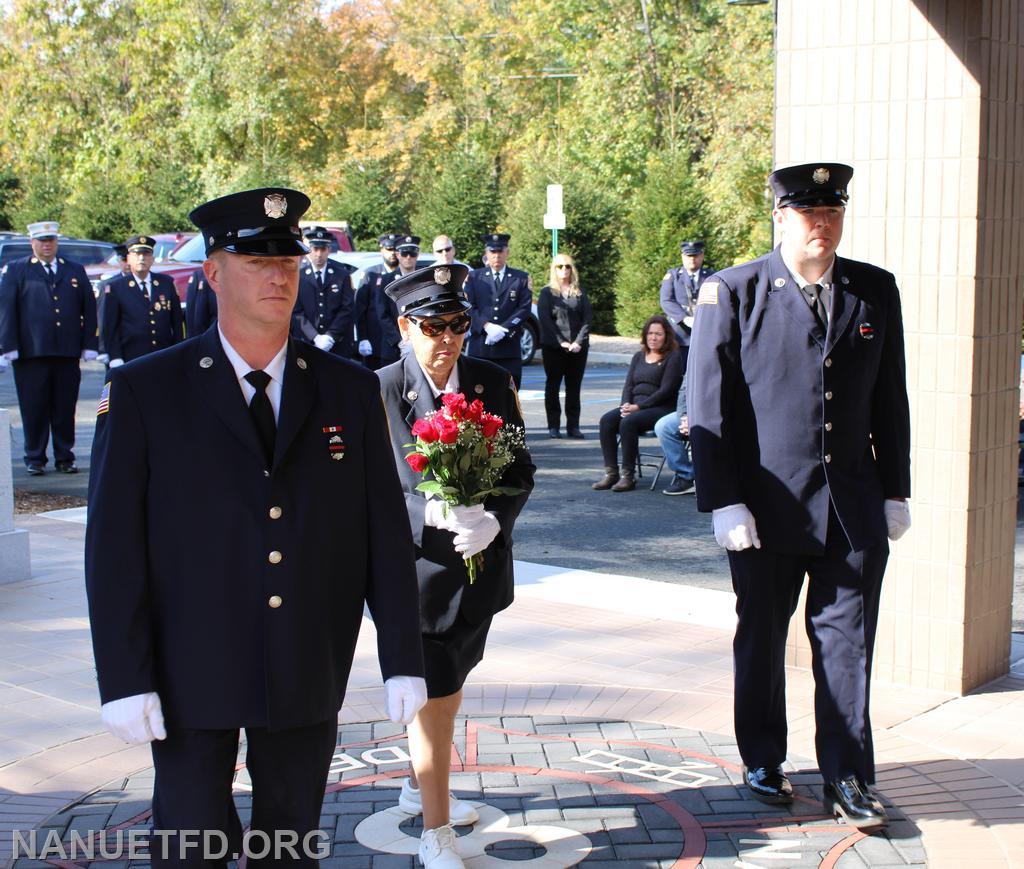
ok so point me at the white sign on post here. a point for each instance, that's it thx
(555, 218)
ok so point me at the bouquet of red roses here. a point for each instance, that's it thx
(462, 451)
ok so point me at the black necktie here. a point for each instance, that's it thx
(145, 289)
(320, 280)
(814, 291)
(51, 275)
(262, 412)
(497, 280)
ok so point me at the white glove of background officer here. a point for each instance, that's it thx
(137, 719)
(897, 518)
(476, 538)
(735, 529)
(116, 363)
(365, 348)
(450, 517)
(89, 355)
(104, 358)
(325, 342)
(404, 696)
(11, 355)
(494, 333)
(4, 363)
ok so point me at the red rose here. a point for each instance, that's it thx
(424, 430)
(447, 430)
(490, 425)
(475, 412)
(454, 403)
(417, 461)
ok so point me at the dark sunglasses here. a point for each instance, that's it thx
(443, 249)
(408, 253)
(563, 266)
(434, 326)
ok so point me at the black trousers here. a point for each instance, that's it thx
(192, 791)
(628, 428)
(47, 396)
(560, 364)
(841, 616)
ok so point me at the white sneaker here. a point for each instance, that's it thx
(438, 849)
(459, 811)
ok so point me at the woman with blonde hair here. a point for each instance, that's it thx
(564, 314)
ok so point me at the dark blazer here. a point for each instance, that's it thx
(444, 589)
(200, 305)
(784, 418)
(679, 298)
(561, 319)
(377, 316)
(38, 319)
(179, 556)
(508, 308)
(132, 325)
(327, 311)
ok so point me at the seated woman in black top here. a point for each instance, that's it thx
(650, 391)
(564, 315)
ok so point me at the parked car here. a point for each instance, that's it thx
(339, 229)
(167, 243)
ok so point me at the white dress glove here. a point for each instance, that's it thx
(116, 363)
(449, 517)
(494, 333)
(735, 529)
(897, 518)
(11, 355)
(4, 363)
(104, 358)
(365, 348)
(137, 719)
(404, 696)
(89, 355)
(476, 538)
(324, 342)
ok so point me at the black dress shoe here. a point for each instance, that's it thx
(680, 485)
(554, 433)
(851, 800)
(35, 470)
(576, 434)
(67, 467)
(769, 785)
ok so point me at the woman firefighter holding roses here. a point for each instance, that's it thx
(454, 403)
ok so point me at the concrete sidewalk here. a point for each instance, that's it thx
(598, 729)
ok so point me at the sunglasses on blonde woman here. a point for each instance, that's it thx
(563, 266)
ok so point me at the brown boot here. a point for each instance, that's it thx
(611, 478)
(626, 483)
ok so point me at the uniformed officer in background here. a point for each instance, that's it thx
(324, 310)
(376, 314)
(200, 304)
(368, 287)
(47, 323)
(679, 292)
(140, 311)
(254, 623)
(501, 299)
(800, 428)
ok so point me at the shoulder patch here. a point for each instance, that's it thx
(104, 403)
(668, 276)
(708, 294)
(106, 290)
(529, 283)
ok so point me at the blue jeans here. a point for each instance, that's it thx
(674, 445)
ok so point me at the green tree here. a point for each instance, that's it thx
(668, 208)
(372, 200)
(592, 218)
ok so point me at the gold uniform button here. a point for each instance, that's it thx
(828, 426)
(275, 512)
(828, 363)
(275, 601)
(828, 396)
(828, 458)
(275, 557)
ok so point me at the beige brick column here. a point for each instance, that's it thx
(926, 100)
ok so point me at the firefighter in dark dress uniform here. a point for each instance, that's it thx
(679, 290)
(800, 429)
(200, 305)
(324, 312)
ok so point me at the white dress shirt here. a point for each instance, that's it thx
(275, 368)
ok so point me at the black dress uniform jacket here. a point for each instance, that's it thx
(377, 316)
(508, 307)
(325, 311)
(679, 298)
(784, 417)
(444, 589)
(38, 318)
(236, 591)
(200, 305)
(132, 325)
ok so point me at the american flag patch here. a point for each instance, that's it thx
(708, 294)
(104, 404)
(331, 429)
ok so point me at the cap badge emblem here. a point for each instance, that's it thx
(820, 175)
(275, 205)
(442, 275)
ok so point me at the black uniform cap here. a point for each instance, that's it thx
(403, 242)
(140, 242)
(318, 235)
(691, 248)
(121, 250)
(388, 240)
(495, 240)
(428, 292)
(811, 184)
(261, 222)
